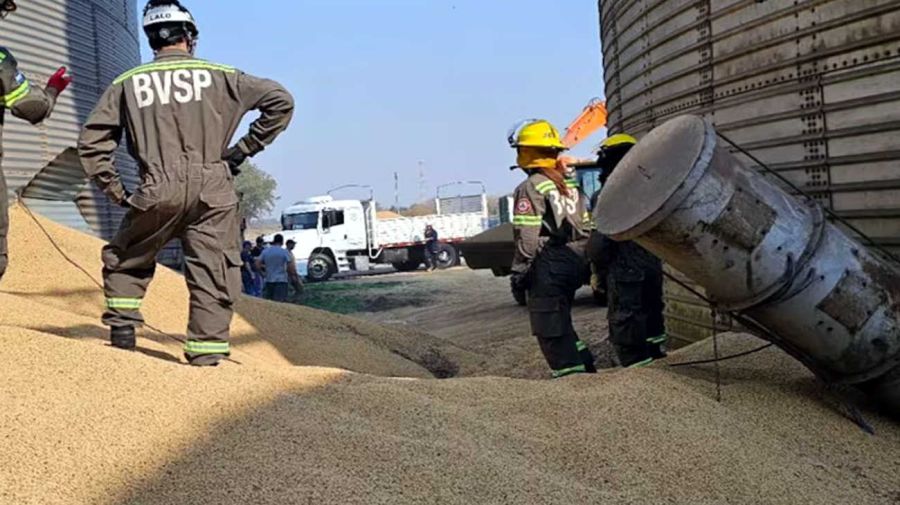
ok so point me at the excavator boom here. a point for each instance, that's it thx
(591, 119)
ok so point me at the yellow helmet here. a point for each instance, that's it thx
(618, 140)
(535, 133)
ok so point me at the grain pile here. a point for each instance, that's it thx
(84, 424)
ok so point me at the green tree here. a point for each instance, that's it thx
(257, 190)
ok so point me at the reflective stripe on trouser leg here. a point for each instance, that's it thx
(124, 303)
(660, 340)
(195, 348)
(569, 371)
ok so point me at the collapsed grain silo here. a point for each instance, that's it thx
(809, 87)
(97, 40)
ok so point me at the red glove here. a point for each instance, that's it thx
(59, 81)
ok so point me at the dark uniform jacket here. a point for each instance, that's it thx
(21, 97)
(544, 216)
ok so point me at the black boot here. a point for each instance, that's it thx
(123, 338)
(206, 359)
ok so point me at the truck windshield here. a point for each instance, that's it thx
(301, 221)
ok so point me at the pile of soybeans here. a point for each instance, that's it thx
(323, 409)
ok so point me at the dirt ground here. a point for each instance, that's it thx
(472, 312)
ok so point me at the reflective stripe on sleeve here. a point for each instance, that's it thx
(123, 303)
(527, 220)
(581, 346)
(545, 187)
(194, 347)
(17, 94)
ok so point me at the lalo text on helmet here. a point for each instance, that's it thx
(162, 87)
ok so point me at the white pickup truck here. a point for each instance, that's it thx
(347, 235)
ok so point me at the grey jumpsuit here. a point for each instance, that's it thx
(178, 114)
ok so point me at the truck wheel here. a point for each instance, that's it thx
(320, 268)
(521, 297)
(407, 266)
(447, 256)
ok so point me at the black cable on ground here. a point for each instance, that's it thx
(724, 358)
(91, 277)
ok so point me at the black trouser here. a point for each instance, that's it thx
(555, 276)
(636, 324)
(276, 291)
(431, 253)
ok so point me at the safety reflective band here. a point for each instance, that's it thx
(17, 94)
(123, 303)
(197, 348)
(527, 220)
(642, 364)
(572, 183)
(662, 339)
(581, 346)
(174, 65)
(545, 187)
(569, 371)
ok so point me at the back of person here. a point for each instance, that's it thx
(276, 260)
(550, 227)
(181, 110)
(178, 115)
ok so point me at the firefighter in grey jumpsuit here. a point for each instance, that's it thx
(27, 102)
(178, 114)
(551, 226)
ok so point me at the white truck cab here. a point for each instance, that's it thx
(341, 235)
(324, 229)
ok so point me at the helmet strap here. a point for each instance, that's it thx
(191, 41)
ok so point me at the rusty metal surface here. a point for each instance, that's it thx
(828, 300)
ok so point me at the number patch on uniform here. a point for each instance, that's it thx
(563, 205)
(161, 87)
(523, 206)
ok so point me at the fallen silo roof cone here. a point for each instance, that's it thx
(825, 298)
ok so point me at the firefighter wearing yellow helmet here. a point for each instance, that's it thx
(551, 226)
(634, 280)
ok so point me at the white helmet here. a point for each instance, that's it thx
(167, 22)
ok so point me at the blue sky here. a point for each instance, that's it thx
(381, 85)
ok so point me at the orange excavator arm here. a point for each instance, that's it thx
(591, 119)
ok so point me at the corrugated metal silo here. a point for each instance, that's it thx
(97, 40)
(810, 87)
